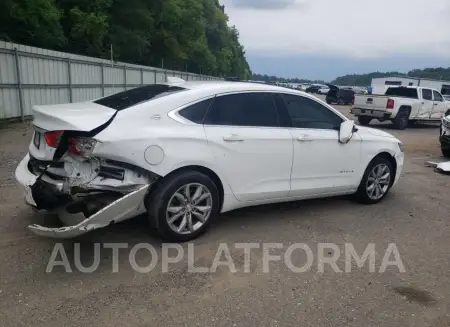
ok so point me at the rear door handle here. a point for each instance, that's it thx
(233, 138)
(304, 138)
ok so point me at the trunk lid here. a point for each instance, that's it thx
(82, 116)
(372, 102)
(332, 87)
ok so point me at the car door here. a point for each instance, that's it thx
(426, 107)
(250, 148)
(321, 164)
(439, 106)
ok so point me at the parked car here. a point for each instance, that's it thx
(185, 153)
(323, 90)
(401, 105)
(339, 96)
(444, 135)
(313, 89)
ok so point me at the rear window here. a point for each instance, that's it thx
(129, 98)
(404, 92)
(346, 92)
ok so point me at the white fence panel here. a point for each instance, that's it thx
(32, 76)
(85, 74)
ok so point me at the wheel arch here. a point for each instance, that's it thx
(388, 156)
(201, 169)
(405, 108)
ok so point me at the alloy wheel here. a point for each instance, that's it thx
(378, 181)
(189, 208)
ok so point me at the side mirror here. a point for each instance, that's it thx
(346, 131)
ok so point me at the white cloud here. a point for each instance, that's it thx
(349, 28)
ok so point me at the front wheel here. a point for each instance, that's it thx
(182, 207)
(376, 182)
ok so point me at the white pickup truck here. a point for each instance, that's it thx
(402, 105)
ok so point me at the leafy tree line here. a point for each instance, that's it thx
(366, 79)
(267, 78)
(190, 35)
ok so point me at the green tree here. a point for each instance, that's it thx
(179, 34)
(33, 22)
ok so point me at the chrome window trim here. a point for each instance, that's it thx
(174, 114)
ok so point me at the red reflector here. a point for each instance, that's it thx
(52, 138)
(390, 104)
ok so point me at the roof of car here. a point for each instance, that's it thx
(229, 85)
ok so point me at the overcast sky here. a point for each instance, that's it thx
(327, 38)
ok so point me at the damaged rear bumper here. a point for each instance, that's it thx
(73, 213)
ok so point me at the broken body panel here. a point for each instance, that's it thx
(86, 192)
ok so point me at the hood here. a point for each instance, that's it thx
(82, 116)
(367, 132)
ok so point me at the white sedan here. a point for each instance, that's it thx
(323, 90)
(185, 152)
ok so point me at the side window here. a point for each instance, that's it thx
(244, 109)
(307, 113)
(427, 95)
(437, 96)
(196, 112)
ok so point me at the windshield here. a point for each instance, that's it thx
(129, 98)
(404, 92)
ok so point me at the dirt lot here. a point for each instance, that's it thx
(415, 216)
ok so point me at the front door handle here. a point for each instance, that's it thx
(304, 138)
(233, 138)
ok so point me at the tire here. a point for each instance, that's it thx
(401, 121)
(170, 192)
(445, 152)
(367, 195)
(364, 120)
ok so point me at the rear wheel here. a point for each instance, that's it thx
(445, 152)
(182, 207)
(376, 182)
(401, 121)
(364, 120)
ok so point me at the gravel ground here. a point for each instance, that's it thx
(414, 217)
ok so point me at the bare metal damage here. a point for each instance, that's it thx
(86, 194)
(441, 167)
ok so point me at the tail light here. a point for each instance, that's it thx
(52, 138)
(81, 146)
(390, 104)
